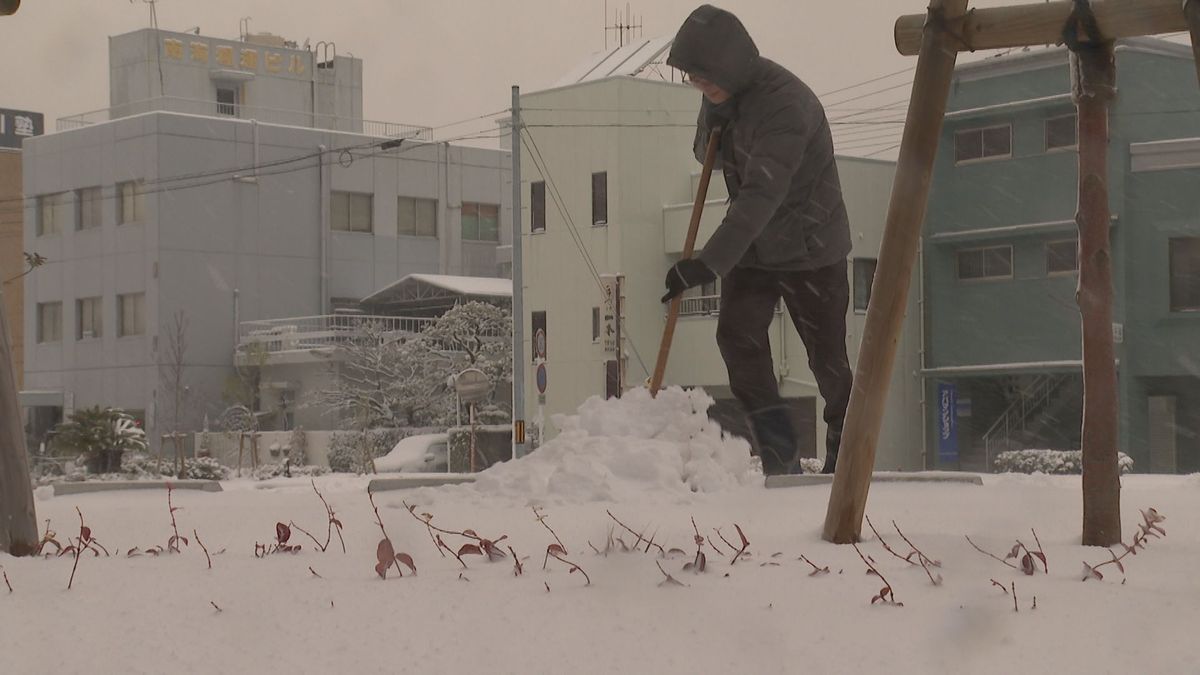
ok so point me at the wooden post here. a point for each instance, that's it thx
(1191, 10)
(889, 292)
(241, 448)
(18, 520)
(689, 246)
(1093, 87)
(1042, 24)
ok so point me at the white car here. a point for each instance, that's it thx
(426, 453)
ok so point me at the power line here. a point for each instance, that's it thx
(866, 82)
(223, 175)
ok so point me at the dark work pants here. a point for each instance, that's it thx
(817, 301)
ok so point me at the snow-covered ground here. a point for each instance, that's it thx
(655, 465)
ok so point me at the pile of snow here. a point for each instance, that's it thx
(617, 449)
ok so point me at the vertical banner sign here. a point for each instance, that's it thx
(609, 312)
(947, 423)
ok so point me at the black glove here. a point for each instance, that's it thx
(687, 274)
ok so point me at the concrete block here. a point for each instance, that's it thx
(407, 482)
(949, 477)
(80, 487)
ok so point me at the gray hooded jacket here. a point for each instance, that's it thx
(786, 211)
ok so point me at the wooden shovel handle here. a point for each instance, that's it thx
(689, 245)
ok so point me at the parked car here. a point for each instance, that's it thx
(426, 453)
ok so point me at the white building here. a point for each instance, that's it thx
(618, 151)
(242, 185)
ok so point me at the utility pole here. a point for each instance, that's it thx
(518, 285)
(18, 520)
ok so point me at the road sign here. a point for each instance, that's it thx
(541, 378)
(472, 385)
(539, 343)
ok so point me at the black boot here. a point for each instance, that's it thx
(833, 442)
(775, 438)
(830, 462)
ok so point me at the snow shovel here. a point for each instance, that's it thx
(689, 244)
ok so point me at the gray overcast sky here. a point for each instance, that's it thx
(433, 62)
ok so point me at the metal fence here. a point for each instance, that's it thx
(330, 330)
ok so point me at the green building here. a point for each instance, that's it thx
(1002, 338)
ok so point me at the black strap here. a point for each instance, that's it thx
(1082, 18)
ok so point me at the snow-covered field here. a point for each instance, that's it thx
(634, 458)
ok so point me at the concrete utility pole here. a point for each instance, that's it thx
(18, 520)
(518, 285)
(937, 36)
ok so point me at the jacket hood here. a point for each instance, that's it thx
(714, 45)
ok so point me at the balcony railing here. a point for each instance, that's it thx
(323, 332)
(330, 331)
(704, 305)
(299, 118)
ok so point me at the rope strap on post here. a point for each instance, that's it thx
(936, 17)
(1083, 17)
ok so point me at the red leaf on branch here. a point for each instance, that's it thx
(1027, 565)
(386, 555)
(469, 549)
(282, 533)
(407, 560)
(745, 541)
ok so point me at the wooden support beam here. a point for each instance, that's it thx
(889, 292)
(1042, 23)
(1093, 87)
(1191, 9)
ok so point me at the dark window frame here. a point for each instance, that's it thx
(1190, 300)
(537, 206)
(1063, 272)
(983, 156)
(984, 276)
(1061, 148)
(862, 292)
(600, 199)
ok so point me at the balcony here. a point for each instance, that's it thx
(703, 305)
(306, 334)
(306, 339)
(211, 108)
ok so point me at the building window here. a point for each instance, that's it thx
(537, 206)
(864, 276)
(1062, 133)
(416, 217)
(538, 324)
(351, 212)
(132, 204)
(89, 320)
(1185, 274)
(51, 214)
(595, 324)
(987, 143)
(227, 101)
(600, 198)
(90, 213)
(1062, 257)
(480, 222)
(131, 314)
(49, 327)
(993, 262)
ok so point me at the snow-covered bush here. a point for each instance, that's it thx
(269, 471)
(1050, 461)
(205, 468)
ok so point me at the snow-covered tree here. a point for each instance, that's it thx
(386, 379)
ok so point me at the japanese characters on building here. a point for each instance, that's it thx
(17, 125)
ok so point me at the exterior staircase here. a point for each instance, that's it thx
(1046, 414)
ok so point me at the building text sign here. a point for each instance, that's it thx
(17, 125)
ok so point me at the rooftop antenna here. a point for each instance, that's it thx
(624, 26)
(158, 43)
(244, 27)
